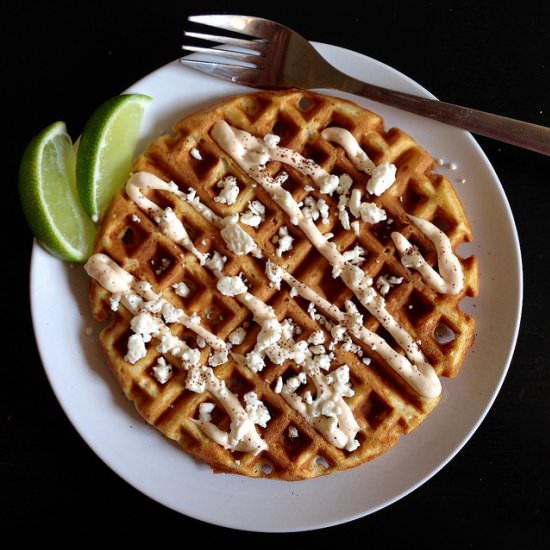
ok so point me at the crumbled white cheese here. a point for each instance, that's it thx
(278, 385)
(317, 338)
(190, 357)
(283, 240)
(317, 349)
(255, 214)
(162, 371)
(287, 329)
(322, 361)
(257, 411)
(323, 210)
(366, 360)
(237, 336)
(168, 343)
(216, 262)
(237, 239)
(195, 153)
(134, 301)
(382, 178)
(229, 191)
(308, 188)
(353, 317)
(312, 311)
(384, 284)
(269, 334)
(292, 432)
(274, 274)
(136, 349)
(278, 354)
(196, 379)
(300, 352)
(218, 358)
(356, 226)
(231, 286)
(370, 213)
(145, 325)
(136, 218)
(338, 332)
(293, 292)
(343, 216)
(254, 361)
(355, 256)
(310, 209)
(271, 140)
(144, 287)
(171, 314)
(328, 184)
(355, 202)
(253, 220)
(344, 184)
(348, 345)
(114, 300)
(257, 207)
(181, 289)
(293, 383)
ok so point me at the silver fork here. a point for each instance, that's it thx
(279, 57)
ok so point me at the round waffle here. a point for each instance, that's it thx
(384, 405)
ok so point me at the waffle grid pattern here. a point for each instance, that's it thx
(383, 405)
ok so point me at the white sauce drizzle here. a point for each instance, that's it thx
(340, 428)
(238, 143)
(251, 153)
(115, 279)
(451, 279)
(242, 435)
(419, 374)
(353, 150)
(382, 176)
(170, 225)
(259, 309)
(342, 432)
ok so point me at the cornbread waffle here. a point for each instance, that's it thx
(384, 404)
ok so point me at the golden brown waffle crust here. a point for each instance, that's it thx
(384, 405)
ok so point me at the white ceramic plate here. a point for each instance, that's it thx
(154, 465)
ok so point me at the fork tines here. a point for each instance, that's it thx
(254, 46)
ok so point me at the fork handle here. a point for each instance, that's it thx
(509, 130)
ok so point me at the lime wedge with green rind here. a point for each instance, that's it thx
(106, 150)
(49, 197)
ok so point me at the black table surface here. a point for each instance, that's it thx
(63, 59)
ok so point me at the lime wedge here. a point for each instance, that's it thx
(49, 198)
(106, 150)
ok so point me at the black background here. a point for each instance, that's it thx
(64, 59)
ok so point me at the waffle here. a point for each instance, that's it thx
(383, 404)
